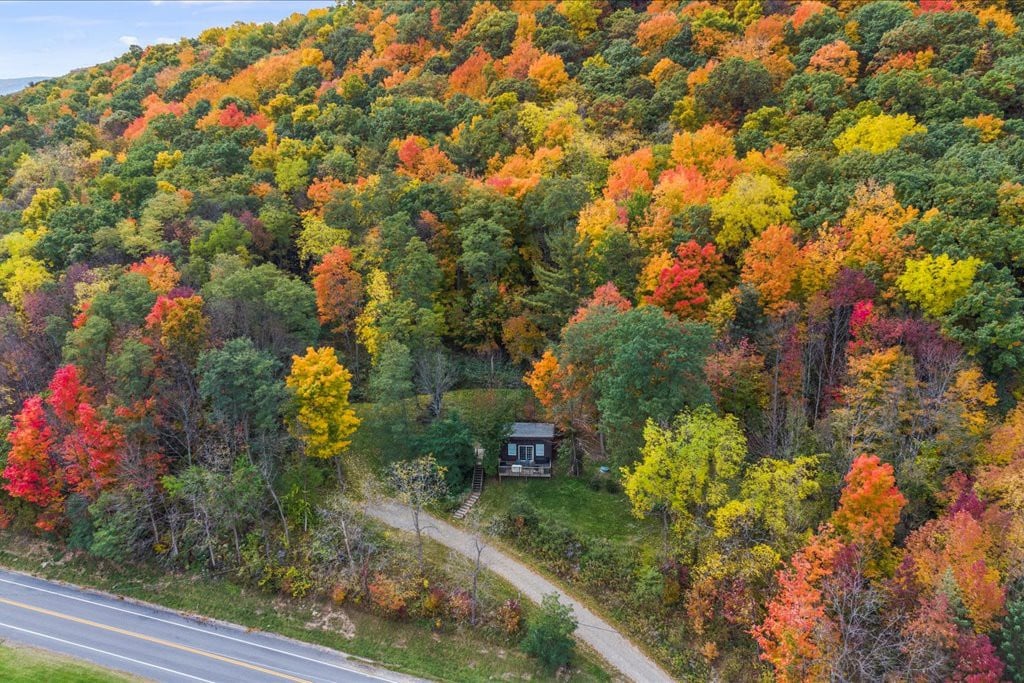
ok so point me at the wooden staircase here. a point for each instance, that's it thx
(474, 496)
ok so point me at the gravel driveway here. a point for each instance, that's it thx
(596, 632)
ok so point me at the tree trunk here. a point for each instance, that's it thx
(174, 538)
(280, 510)
(476, 577)
(348, 546)
(664, 531)
(419, 537)
(575, 462)
(209, 539)
(152, 521)
(270, 489)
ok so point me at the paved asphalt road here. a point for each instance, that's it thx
(162, 645)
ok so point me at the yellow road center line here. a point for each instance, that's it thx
(154, 640)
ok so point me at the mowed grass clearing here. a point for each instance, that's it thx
(571, 501)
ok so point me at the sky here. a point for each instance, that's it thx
(39, 38)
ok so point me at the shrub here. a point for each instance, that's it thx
(387, 596)
(434, 601)
(338, 593)
(558, 544)
(296, 582)
(649, 587)
(549, 633)
(605, 567)
(604, 482)
(510, 617)
(520, 519)
(460, 606)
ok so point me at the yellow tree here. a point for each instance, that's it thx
(735, 519)
(37, 214)
(686, 469)
(935, 283)
(323, 419)
(877, 134)
(752, 203)
(581, 14)
(20, 272)
(379, 294)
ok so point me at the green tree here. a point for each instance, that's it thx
(226, 236)
(391, 375)
(642, 365)
(734, 87)
(277, 311)
(418, 276)
(450, 441)
(242, 386)
(165, 213)
(485, 250)
(561, 282)
(549, 633)
(989, 320)
(110, 316)
(874, 20)
(1011, 641)
(219, 506)
(69, 238)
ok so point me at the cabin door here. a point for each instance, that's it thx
(526, 453)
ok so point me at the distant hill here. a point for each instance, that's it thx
(12, 85)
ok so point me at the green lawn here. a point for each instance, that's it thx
(411, 647)
(596, 514)
(29, 665)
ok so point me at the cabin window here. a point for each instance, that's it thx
(511, 450)
(526, 453)
(540, 450)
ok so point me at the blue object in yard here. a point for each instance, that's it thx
(604, 469)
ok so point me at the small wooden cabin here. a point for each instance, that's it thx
(528, 450)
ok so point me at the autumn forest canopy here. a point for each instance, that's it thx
(762, 260)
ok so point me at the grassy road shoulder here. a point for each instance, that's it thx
(406, 646)
(19, 664)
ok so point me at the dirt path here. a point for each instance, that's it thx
(596, 632)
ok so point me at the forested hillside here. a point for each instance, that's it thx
(763, 260)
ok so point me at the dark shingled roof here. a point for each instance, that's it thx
(532, 430)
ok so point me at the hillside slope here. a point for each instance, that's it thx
(765, 257)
